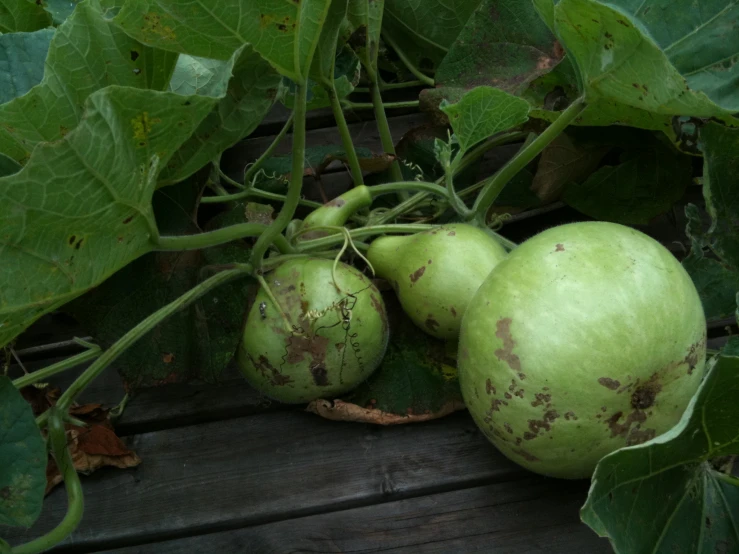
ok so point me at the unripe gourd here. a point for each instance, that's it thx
(435, 273)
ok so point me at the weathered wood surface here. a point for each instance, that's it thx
(523, 517)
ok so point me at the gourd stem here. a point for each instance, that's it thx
(410, 186)
(137, 332)
(363, 232)
(221, 236)
(494, 186)
(292, 198)
(391, 86)
(346, 136)
(58, 367)
(251, 191)
(425, 79)
(75, 497)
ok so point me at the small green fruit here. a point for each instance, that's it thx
(435, 273)
(589, 337)
(322, 341)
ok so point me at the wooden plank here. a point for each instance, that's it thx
(532, 515)
(269, 467)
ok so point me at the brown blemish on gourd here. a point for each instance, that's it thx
(644, 396)
(339, 346)
(525, 455)
(508, 395)
(380, 309)
(508, 428)
(336, 203)
(320, 375)
(570, 416)
(503, 332)
(541, 398)
(431, 323)
(270, 372)
(300, 346)
(489, 387)
(560, 248)
(451, 234)
(453, 311)
(535, 425)
(416, 275)
(609, 383)
(637, 435)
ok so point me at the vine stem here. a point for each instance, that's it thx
(75, 497)
(221, 236)
(346, 137)
(425, 79)
(253, 168)
(495, 185)
(58, 367)
(362, 232)
(391, 86)
(292, 198)
(349, 105)
(386, 138)
(410, 186)
(133, 335)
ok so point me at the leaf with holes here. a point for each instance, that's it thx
(666, 495)
(81, 207)
(22, 459)
(285, 33)
(54, 108)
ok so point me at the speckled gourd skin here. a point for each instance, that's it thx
(589, 337)
(435, 273)
(329, 356)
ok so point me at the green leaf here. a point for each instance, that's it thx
(81, 207)
(245, 99)
(22, 58)
(664, 495)
(22, 459)
(700, 39)
(716, 282)
(619, 61)
(416, 381)
(60, 10)
(322, 67)
(286, 33)
(647, 182)
(721, 175)
(22, 16)
(347, 73)
(364, 18)
(483, 112)
(193, 344)
(86, 54)
(426, 30)
(204, 76)
(504, 44)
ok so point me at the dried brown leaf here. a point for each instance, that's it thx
(338, 410)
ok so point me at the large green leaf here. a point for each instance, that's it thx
(504, 44)
(245, 99)
(618, 60)
(22, 459)
(81, 207)
(22, 16)
(86, 54)
(60, 10)
(193, 344)
(651, 177)
(322, 67)
(721, 175)
(426, 29)
(22, 58)
(665, 496)
(701, 39)
(286, 33)
(483, 112)
(364, 19)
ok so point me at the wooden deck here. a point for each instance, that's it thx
(226, 471)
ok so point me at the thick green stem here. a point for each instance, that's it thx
(58, 367)
(386, 138)
(296, 180)
(133, 335)
(318, 244)
(253, 168)
(408, 186)
(387, 105)
(495, 185)
(220, 236)
(425, 79)
(454, 200)
(251, 191)
(346, 137)
(75, 497)
(391, 86)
